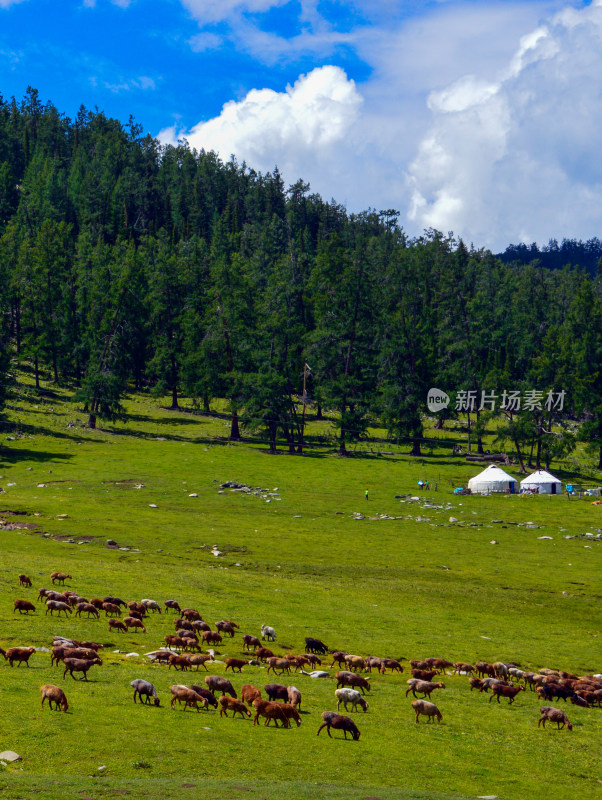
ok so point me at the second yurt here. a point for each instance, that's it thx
(541, 482)
(493, 479)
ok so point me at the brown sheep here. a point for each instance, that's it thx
(263, 653)
(499, 690)
(183, 662)
(187, 696)
(225, 627)
(130, 622)
(250, 642)
(372, 662)
(338, 657)
(276, 691)
(475, 683)
(290, 712)
(212, 637)
(204, 692)
(54, 694)
(60, 577)
(353, 680)
(424, 675)
(117, 625)
(218, 684)
(392, 664)
(86, 608)
(174, 642)
(198, 660)
(462, 666)
(339, 723)
(55, 605)
(282, 664)
(483, 668)
(133, 605)
(79, 665)
(173, 604)
(23, 606)
(111, 610)
(198, 625)
(235, 664)
(135, 614)
(429, 710)
(24, 580)
(97, 603)
(248, 693)
(355, 663)
(18, 654)
(549, 714)
(440, 664)
(271, 711)
(190, 614)
(424, 688)
(229, 704)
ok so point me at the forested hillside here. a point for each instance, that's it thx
(124, 263)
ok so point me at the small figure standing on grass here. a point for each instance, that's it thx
(366, 494)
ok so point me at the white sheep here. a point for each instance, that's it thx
(347, 695)
(152, 605)
(268, 633)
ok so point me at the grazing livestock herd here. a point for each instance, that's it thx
(182, 651)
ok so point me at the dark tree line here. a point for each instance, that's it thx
(124, 263)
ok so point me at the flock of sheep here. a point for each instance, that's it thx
(182, 651)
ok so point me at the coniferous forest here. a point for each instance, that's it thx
(126, 264)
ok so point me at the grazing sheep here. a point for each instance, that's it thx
(290, 712)
(151, 605)
(24, 580)
(86, 608)
(133, 605)
(97, 603)
(62, 597)
(228, 704)
(338, 657)
(212, 637)
(352, 696)
(294, 696)
(282, 664)
(248, 693)
(198, 660)
(176, 661)
(424, 688)
(276, 691)
(23, 606)
(225, 627)
(145, 689)
(117, 624)
(115, 600)
(271, 711)
(250, 642)
(172, 604)
(218, 684)
(549, 714)
(475, 683)
(351, 679)
(355, 663)
(339, 723)
(60, 577)
(132, 622)
(577, 700)
(483, 668)
(79, 665)
(372, 662)
(191, 614)
(315, 646)
(111, 609)
(235, 664)
(424, 675)
(205, 693)
(461, 666)
(268, 633)
(429, 710)
(54, 694)
(263, 653)
(187, 696)
(55, 605)
(18, 654)
(500, 690)
(392, 664)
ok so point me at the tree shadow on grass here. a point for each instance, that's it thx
(8, 456)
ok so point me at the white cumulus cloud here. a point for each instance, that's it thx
(518, 157)
(267, 128)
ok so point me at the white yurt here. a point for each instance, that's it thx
(493, 479)
(542, 482)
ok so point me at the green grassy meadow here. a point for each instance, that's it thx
(411, 587)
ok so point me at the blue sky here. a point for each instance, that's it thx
(477, 117)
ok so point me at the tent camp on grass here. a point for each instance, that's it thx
(493, 479)
(541, 482)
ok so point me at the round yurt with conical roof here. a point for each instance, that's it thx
(541, 482)
(493, 479)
